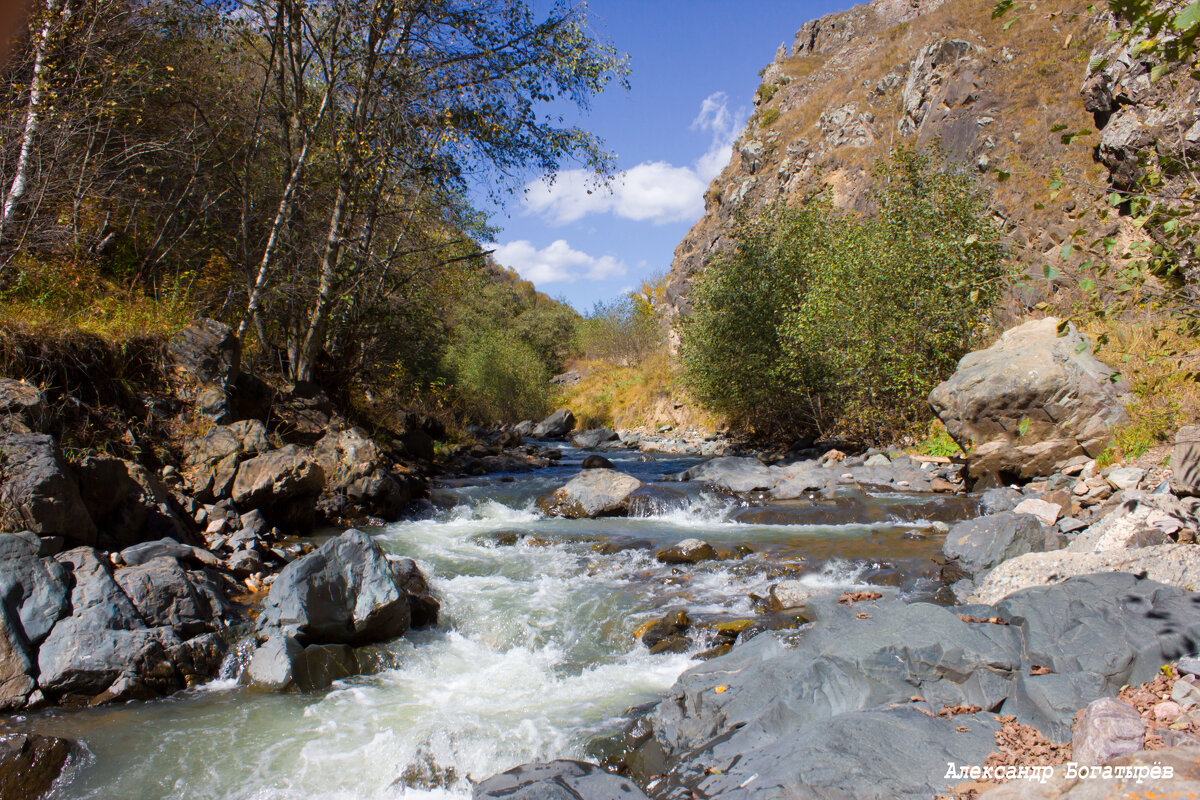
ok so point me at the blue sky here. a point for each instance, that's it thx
(695, 69)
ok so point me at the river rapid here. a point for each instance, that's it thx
(535, 654)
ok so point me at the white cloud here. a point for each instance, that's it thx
(555, 263)
(653, 191)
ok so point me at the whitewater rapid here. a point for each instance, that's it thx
(535, 655)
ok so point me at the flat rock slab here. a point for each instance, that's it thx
(834, 715)
(557, 780)
(1171, 564)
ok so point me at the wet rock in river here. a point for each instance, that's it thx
(597, 462)
(822, 717)
(689, 551)
(595, 437)
(733, 474)
(30, 764)
(977, 545)
(346, 592)
(667, 627)
(557, 780)
(592, 493)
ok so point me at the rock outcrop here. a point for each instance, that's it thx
(38, 491)
(1031, 402)
(836, 715)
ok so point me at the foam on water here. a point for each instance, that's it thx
(534, 656)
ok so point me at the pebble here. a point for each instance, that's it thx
(1167, 711)
(1190, 665)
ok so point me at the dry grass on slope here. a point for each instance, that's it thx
(644, 395)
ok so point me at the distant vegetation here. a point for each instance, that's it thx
(300, 171)
(822, 321)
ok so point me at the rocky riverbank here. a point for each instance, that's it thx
(1070, 582)
(1060, 582)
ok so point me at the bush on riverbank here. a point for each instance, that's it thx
(827, 322)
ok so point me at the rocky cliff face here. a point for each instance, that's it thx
(1047, 98)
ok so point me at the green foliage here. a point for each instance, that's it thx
(624, 331)
(825, 321)
(766, 91)
(939, 443)
(768, 117)
(498, 376)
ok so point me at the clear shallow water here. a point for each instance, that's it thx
(535, 653)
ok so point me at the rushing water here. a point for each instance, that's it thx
(535, 653)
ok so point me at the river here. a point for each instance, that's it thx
(535, 654)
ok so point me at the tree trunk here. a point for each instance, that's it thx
(33, 118)
(314, 337)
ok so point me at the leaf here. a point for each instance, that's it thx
(1157, 71)
(1023, 426)
(1001, 8)
(1050, 272)
(1087, 284)
(1059, 126)
(1008, 24)
(1002, 176)
(1188, 18)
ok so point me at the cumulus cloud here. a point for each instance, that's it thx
(555, 263)
(653, 191)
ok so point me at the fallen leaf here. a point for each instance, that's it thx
(720, 689)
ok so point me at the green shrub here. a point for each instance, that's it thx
(624, 332)
(822, 321)
(498, 376)
(768, 117)
(766, 91)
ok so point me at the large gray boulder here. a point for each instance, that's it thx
(33, 597)
(977, 545)
(357, 482)
(781, 712)
(592, 493)
(733, 474)
(104, 639)
(596, 437)
(212, 460)
(1030, 402)
(281, 663)
(127, 503)
(276, 476)
(22, 409)
(555, 426)
(16, 665)
(34, 588)
(557, 780)
(345, 592)
(38, 492)
(168, 596)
